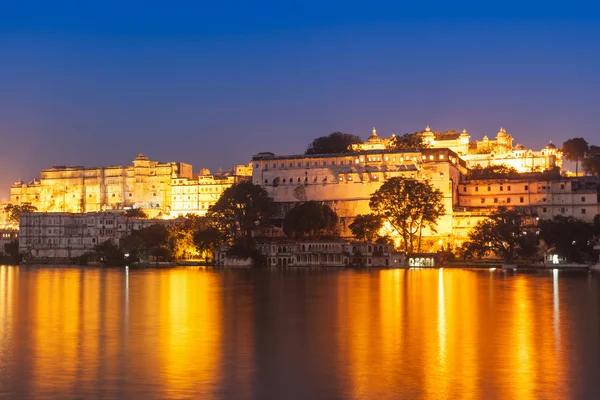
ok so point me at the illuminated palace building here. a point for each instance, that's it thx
(495, 152)
(346, 181)
(160, 188)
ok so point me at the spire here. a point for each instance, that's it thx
(427, 129)
(374, 131)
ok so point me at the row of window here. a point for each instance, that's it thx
(357, 160)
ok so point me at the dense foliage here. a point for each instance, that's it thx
(574, 150)
(591, 162)
(408, 205)
(366, 227)
(336, 142)
(240, 209)
(493, 172)
(136, 213)
(14, 211)
(504, 234)
(310, 219)
(569, 237)
(409, 141)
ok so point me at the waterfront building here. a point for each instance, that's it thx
(195, 195)
(145, 184)
(331, 253)
(568, 197)
(346, 181)
(165, 189)
(61, 235)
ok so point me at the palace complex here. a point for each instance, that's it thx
(345, 181)
(169, 189)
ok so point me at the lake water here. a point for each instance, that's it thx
(298, 334)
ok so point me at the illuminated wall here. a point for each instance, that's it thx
(145, 184)
(347, 181)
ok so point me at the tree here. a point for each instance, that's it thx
(503, 233)
(136, 213)
(409, 141)
(14, 211)
(337, 142)
(150, 243)
(240, 209)
(207, 239)
(501, 171)
(408, 205)
(310, 219)
(366, 227)
(109, 253)
(11, 249)
(570, 237)
(181, 235)
(591, 162)
(574, 150)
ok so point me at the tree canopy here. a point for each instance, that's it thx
(570, 237)
(310, 219)
(241, 208)
(366, 227)
(501, 171)
(574, 150)
(409, 141)
(503, 233)
(591, 162)
(14, 211)
(336, 142)
(136, 213)
(409, 206)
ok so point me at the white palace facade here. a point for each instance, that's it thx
(346, 181)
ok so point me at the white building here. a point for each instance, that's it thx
(69, 235)
(332, 253)
(346, 181)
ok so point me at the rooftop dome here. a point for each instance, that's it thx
(551, 145)
(374, 138)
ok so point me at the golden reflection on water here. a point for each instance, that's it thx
(432, 334)
(384, 334)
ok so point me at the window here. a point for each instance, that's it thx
(266, 181)
(544, 199)
(477, 188)
(544, 209)
(482, 200)
(495, 200)
(464, 188)
(583, 210)
(583, 199)
(501, 188)
(508, 200)
(562, 186)
(508, 188)
(489, 188)
(526, 187)
(256, 166)
(562, 210)
(274, 165)
(521, 199)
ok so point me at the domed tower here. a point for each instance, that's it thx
(504, 141)
(374, 142)
(428, 136)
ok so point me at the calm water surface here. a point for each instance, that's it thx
(299, 334)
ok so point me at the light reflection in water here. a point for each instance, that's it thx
(385, 334)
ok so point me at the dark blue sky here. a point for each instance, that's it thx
(211, 83)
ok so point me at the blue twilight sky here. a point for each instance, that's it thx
(211, 83)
